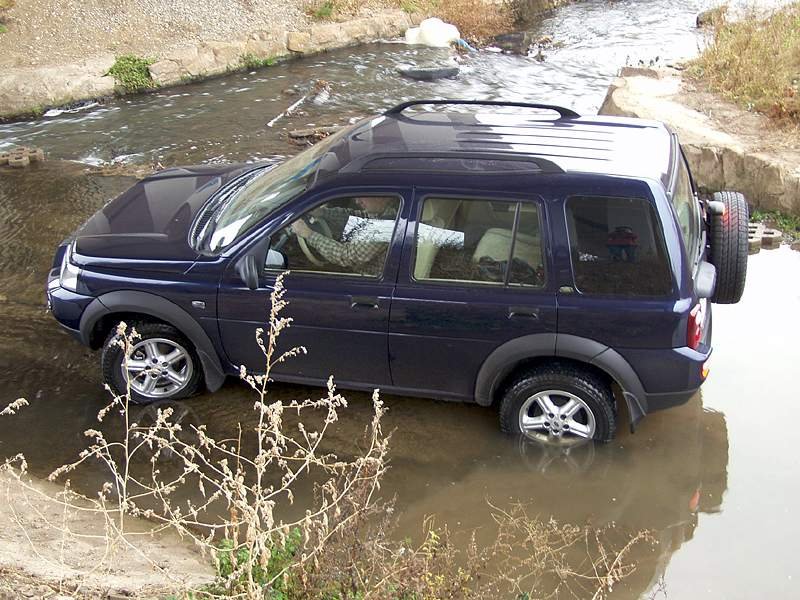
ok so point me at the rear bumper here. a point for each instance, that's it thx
(672, 377)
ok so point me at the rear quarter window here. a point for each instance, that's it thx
(617, 247)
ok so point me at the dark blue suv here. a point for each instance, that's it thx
(558, 268)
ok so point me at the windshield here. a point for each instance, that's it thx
(262, 194)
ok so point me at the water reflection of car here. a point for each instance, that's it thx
(488, 275)
(664, 488)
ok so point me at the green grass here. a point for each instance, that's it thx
(323, 11)
(132, 73)
(787, 224)
(3, 28)
(251, 61)
(755, 62)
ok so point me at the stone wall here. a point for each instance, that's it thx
(27, 91)
(727, 148)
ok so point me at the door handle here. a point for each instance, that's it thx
(524, 312)
(363, 302)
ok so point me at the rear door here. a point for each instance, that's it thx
(340, 311)
(475, 273)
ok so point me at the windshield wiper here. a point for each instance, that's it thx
(219, 201)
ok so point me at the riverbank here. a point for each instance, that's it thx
(47, 549)
(46, 62)
(726, 146)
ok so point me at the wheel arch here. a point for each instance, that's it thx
(109, 309)
(527, 352)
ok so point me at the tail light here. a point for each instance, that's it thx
(694, 329)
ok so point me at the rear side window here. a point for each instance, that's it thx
(479, 241)
(617, 247)
(687, 211)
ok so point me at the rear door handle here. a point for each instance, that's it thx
(523, 312)
(363, 302)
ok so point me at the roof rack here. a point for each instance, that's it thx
(564, 113)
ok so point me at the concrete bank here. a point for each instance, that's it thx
(727, 148)
(29, 90)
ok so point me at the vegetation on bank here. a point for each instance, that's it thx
(4, 6)
(252, 62)
(789, 225)
(478, 21)
(755, 62)
(132, 73)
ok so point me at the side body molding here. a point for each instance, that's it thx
(501, 362)
(164, 310)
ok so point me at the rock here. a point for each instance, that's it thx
(298, 41)
(796, 246)
(315, 132)
(719, 159)
(518, 42)
(639, 72)
(24, 89)
(713, 16)
(771, 238)
(429, 73)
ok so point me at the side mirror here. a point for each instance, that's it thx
(706, 280)
(247, 269)
(275, 260)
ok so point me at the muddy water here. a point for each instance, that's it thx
(714, 480)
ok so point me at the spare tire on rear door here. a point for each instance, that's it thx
(729, 247)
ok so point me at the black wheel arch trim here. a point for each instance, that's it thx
(504, 358)
(144, 303)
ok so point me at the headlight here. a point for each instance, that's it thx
(69, 272)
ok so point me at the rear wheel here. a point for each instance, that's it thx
(162, 365)
(729, 247)
(559, 404)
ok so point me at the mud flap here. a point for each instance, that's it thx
(635, 410)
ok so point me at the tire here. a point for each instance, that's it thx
(561, 383)
(728, 252)
(165, 340)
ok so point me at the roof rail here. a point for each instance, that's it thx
(564, 113)
(544, 165)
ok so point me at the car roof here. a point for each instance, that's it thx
(601, 145)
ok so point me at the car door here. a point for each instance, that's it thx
(460, 292)
(340, 313)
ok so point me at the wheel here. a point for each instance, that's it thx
(559, 404)
(729, 247)
(162, 365)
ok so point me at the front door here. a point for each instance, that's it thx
(343, 264)
(475, 274)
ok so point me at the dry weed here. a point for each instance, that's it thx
(755, 62)
(228, 497)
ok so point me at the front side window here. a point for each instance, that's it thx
(617, 247)
(348, 236)
(687, 211)
(480, 241)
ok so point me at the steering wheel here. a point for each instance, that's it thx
(319, 225)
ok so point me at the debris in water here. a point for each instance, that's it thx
(21, 157)
(429, 73)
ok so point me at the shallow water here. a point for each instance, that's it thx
(715, 480)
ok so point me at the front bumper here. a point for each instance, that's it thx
(67, 307)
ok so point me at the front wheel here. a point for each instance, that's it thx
(162, 365)
(559, 404)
